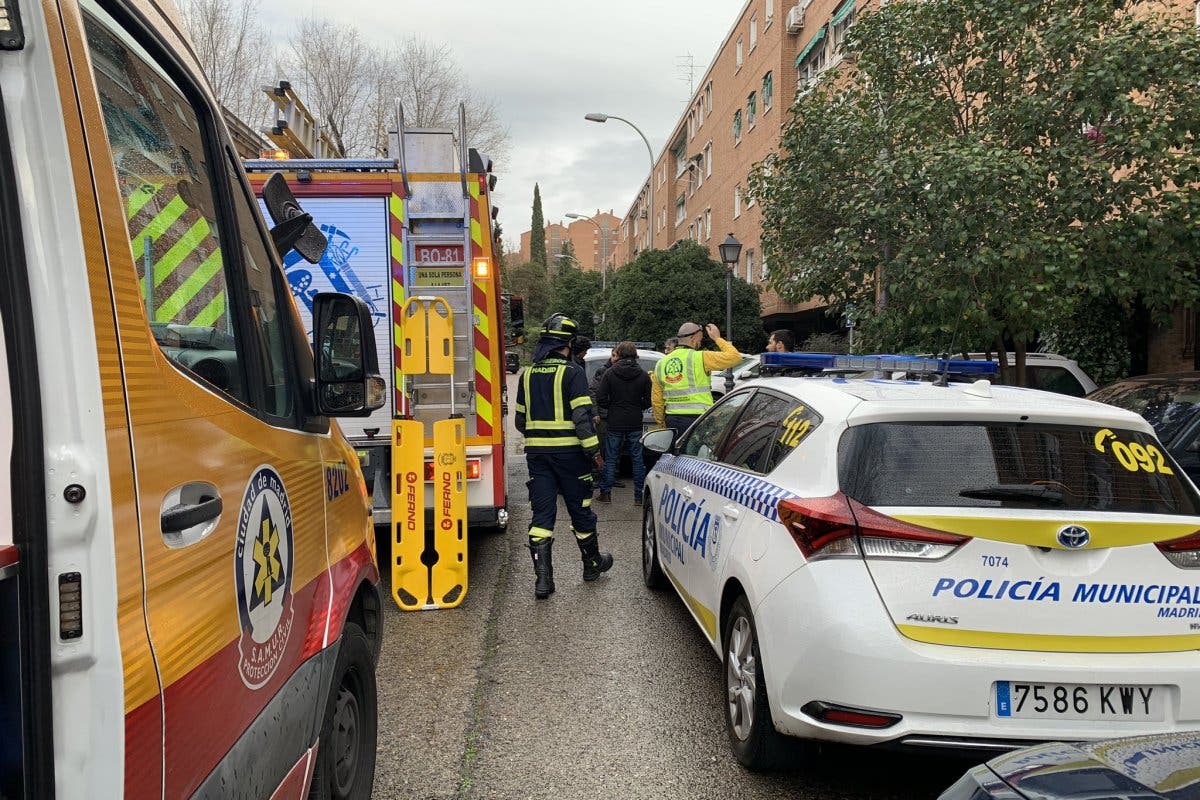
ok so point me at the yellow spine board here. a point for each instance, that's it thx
(410, 577)
(441, 337)
(448, 581)
(412, 350)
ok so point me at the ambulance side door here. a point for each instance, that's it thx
(230, 489)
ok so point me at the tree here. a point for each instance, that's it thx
(332, 66)
(651, 297)
(427, 78)
(235, 52)
(537, 230)
(531, 282)
(987, 171)
(577, 294)
(566, 255)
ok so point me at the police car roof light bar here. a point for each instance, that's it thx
(878, 363)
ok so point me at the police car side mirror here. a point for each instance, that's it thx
(294, 228)
(659, 441)
(348, 380)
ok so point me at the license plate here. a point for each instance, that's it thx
(1086, 701)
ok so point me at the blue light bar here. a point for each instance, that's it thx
(878, 363)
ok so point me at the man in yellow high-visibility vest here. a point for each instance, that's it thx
(682, 384)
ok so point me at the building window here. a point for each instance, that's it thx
(737, 201)
(737, 125)
(708, 160)
(768, 91)
(768, 13)
(843, 18)
(753, 32)
(812, 61)
(707, 224)
(691, 232)
(691, 125)
(680, 213)
(762, 268)
(739, 52)
(699, 113)
(708, 96)
(752, 108)
(679, 154)
(749, 265)
(693, 179)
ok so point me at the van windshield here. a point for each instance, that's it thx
(1011, 465)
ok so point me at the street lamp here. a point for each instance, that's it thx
(597, 117)
(603, 248)
(731, 254)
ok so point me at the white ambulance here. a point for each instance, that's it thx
(189, 600)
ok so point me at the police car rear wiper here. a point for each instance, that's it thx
(1013, 491)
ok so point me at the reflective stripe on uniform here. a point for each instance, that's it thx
(583, 534)
(591, 441)
(587, 503)
(540, 533)
(580, 402)
(552, 441)
(558, 392)
(545, 425)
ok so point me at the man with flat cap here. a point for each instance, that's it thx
(682, 385)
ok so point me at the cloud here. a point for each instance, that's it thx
(547, 64)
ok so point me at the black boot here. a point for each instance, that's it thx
(594, 562)
(543, 566)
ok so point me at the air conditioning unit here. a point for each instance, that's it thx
(795, 18)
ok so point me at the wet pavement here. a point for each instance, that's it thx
(605, 690)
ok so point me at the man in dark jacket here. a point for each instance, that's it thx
(624, 392)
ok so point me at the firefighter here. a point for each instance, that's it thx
(554, 412)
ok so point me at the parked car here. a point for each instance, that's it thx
(748, 369)
(1139, 768)
(1031, 588)
(596, 357)
(1046, 371)
(1170, 403)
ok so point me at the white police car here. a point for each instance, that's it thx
(961, 566)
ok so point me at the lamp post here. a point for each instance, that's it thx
(597, 117)
(603, 248)
(731, 254)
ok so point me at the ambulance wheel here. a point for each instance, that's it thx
(652, 574)
(346, 751)
(752, 735)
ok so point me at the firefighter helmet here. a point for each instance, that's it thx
(559, 327)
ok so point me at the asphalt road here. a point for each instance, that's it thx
(605, 690)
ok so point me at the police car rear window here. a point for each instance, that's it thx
(1011, 465)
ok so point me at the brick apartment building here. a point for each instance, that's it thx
(595, 241)
(734, 121)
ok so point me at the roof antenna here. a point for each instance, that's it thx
(943, 379)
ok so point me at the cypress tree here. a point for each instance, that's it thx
(537, 230)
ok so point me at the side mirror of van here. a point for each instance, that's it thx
(294, 228)
(348, 380)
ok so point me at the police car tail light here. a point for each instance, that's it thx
(1183, 552)
(881, 536)
(822, 527)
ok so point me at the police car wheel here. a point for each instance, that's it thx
(752, 735)
(652, 574)
(346, 751)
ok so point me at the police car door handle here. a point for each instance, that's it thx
(730, 511)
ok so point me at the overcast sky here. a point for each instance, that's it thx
(549, 62)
